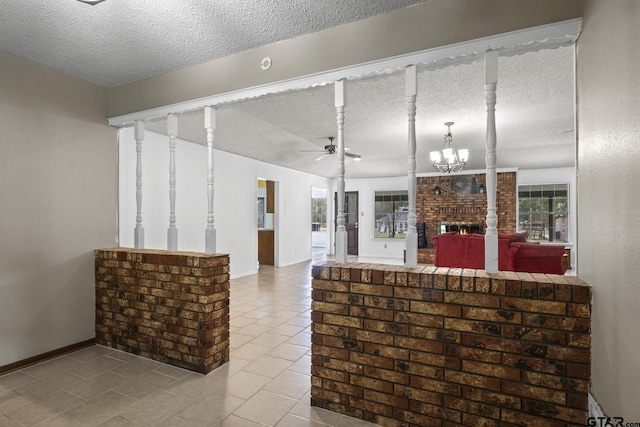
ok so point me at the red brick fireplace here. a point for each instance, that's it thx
(458, 201)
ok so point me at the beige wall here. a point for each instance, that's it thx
(431, 24)
(58, 167)
(608, 89)
(58, 178)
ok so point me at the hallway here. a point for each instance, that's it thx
(267, 381)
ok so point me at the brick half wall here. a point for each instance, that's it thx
(169, 307)
(448, 347)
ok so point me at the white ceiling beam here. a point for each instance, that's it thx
(548, 36)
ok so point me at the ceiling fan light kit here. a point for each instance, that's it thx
(448, 160)
(331, 149)
(91, 2)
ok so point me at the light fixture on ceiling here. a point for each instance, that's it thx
(331, 149)
(91, 2)
(448, 160)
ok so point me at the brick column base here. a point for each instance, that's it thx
(169, 307)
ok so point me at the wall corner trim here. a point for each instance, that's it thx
(595, 410)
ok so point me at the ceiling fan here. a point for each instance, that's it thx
(331, 149)
(91, 2)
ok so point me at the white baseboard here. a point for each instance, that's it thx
(595, 410)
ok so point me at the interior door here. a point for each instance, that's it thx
(266, 232)
(351, 220)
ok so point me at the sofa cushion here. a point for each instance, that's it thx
(474, 235)
(535, 258)
(536, 249)
(467, 251)
(514, 237)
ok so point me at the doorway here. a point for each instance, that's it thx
(351, 220)
(319, 233)
(266, 209)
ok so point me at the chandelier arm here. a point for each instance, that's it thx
(448, 159)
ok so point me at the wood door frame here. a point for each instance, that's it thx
(276, 220)
(357, 223)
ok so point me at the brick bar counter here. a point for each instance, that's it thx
(447, 347)
(170, 307)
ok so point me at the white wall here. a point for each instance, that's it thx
(393, 248)
(191, 181)
(368, 246)
(57, 204)
(608, 130)
(558, 176)
(235, 204)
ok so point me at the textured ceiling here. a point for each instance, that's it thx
(119, 41)
(534, 115)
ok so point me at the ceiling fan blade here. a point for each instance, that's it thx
(325, 154)
(353, 156)
(312, 151)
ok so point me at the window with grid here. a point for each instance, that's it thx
(319, 214)
(543, 211)
(391, 214)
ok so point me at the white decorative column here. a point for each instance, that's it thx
(172, 232)
(341, 232)
(411, 77)
(210, 232)
(491, 236)
(138, 236)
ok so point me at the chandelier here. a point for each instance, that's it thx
(448, 160)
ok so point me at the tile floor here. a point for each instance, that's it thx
(266, 382)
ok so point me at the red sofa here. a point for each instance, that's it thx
(514, 253)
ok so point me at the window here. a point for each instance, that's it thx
(261, 212)
(319, 214)
(544, 212)
(391, 214)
